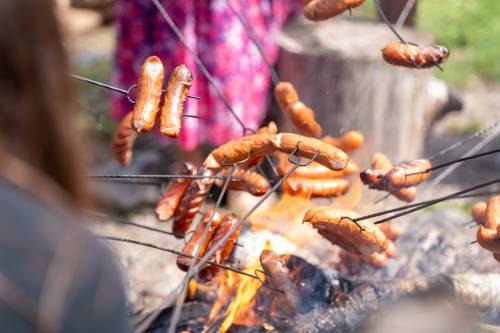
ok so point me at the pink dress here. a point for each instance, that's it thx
(224, 47)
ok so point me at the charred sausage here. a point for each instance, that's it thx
(189, 249)
(167, 206)
(123, 141)
(192, 201)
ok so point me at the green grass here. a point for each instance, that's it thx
(471, 29)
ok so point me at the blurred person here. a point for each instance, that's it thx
(54, 275)
(225, 48)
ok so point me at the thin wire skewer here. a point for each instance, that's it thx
(159, 177)
(463, 141)
(430, 203)
(124, 91)
(178, 253)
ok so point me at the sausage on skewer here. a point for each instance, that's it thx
(178, 86)
(123, 141)
(148, 94)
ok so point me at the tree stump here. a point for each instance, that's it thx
(338, 70)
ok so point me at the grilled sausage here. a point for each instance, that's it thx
(278, 276)
(316, 188)
(409, 174)
(336, 226)
(375, 178)
(329, 156)
(492, 214)
(408, 55)
(148, 94)
(178, 86)
(496, 256)
(189, 249)
(478, 212)
(238, 150)
(245, 180)
(348, 142)
(208, 272)
(315, 170)
(300, 114)
(320, 10)
(488, 239)
(377, 260)
(123, 141)
(391, 230)
(192, 201)
(167, 206)
(271, 129)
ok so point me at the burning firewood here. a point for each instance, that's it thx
(278, 276)
(192, 201)
(208, 272)
(337, 226)
(123, 141)
(301, 115)
(189, 249)
(168, 204)
(245, 180)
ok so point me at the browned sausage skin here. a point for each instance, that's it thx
(408, 55)
(320, 10)
(192, 201)
(189, 249)
(148, 94)
(178, 86)
(123, 141)
(300, 114)
(245, 180)
(329, 156)
(278, 276)
(166, 207)
(207, 272)
(316, 188)
(238, 150)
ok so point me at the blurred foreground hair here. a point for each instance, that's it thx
(37, 116)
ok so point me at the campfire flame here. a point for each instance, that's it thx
(240, 290)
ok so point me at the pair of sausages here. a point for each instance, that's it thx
(488, 235)
(336, 225)
(171, 199)
(399, 180)
(409, 55)
(245, 180)
(149, 93)
(320, 10)
(300, 114)
(265, 144)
